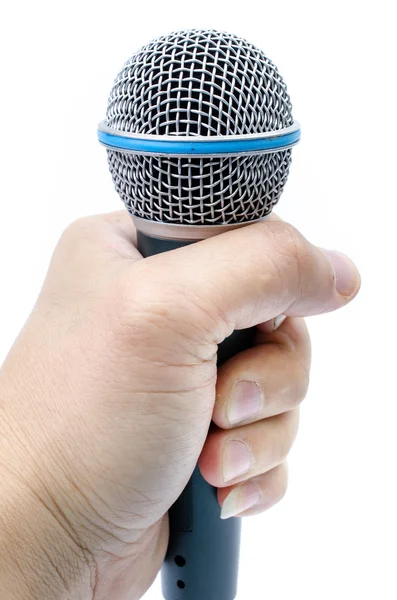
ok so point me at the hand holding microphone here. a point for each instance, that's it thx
(109, 392)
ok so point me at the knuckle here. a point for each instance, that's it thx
(288, 241)
(288, 252)
(303, 381)
(299, 385)
(80, 227)
(281, 483)
(87, 231)
(288, 423)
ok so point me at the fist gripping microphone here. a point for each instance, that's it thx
(198, 132)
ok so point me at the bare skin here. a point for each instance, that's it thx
(107, 395)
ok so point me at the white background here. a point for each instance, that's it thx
(334, 535)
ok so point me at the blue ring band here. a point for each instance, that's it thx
(187, 147)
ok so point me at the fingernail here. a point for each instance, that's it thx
(236, 460)
(278, 321)
(241, 498)
(245, 401)
(347, 279)
(273, 324)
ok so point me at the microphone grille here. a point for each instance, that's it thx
(199, 83)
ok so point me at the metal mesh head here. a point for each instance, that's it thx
(206, 83)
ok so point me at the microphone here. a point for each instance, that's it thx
(198, 132)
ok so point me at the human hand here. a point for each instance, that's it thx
(108, 393)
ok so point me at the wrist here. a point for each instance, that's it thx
(39, 557)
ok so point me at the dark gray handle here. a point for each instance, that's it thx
(203, 551)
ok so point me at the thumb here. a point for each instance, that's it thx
(244, 277)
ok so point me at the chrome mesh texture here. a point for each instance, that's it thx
(199, 82)
(198, 191)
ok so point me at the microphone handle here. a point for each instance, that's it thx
(203, 551)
